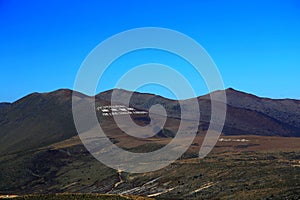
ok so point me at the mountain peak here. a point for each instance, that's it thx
(232, 90)
(61, 92)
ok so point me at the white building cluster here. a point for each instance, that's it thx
(232, 140)
(119, 110)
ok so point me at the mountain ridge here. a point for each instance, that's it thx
(230, 89)
(227, 90)
(40, 151)
(39, 119)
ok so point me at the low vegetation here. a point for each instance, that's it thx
(230, 172)
(78, 197)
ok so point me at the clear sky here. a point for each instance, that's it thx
(255, 44)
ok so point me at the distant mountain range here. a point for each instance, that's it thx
(41, 119)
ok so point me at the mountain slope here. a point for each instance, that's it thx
(36, 120)
(246, 113)
(39, 153)
(40, 119)
(262, 116)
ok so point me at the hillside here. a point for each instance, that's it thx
(41, 119)
(234, 170)
(40, 151)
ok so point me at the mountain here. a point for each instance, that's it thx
(41, 119)
(4, 105)
(36, 120)
(246, 114)
(41, 153)
(249, 114)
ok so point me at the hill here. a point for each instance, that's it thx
(40, 151)
(40, 119)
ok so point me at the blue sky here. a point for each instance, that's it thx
(255, 44)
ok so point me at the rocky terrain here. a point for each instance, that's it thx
(40, 152)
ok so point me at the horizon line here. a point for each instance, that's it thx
(140, 92)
